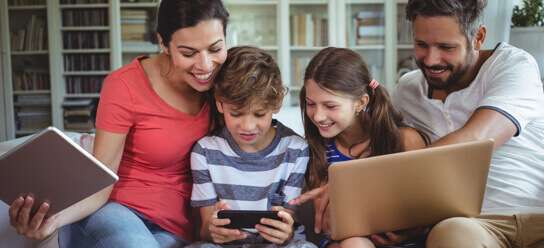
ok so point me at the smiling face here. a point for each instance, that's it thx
(197, 53)
(442, 51)
(330, 113)
(251, 126)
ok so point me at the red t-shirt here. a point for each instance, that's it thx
(154, 173)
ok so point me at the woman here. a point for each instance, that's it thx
(151, 112)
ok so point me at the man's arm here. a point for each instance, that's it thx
(483, 124)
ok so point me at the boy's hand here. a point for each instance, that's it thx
(220, 234)
(275, 231)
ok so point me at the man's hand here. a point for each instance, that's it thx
(37, 226)
(395, 238)
(220, 234)
(275, 231)
(320, 196)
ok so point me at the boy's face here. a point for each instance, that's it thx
(250, 126)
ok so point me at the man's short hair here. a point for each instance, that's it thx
(467, 12)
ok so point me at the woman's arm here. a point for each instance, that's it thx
(108, 148)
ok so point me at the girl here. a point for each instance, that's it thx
(347, 115)
(151, 112)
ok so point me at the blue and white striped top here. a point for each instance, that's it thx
(248, 181)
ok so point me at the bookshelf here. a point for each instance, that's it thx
(87, 39)
(405, 58)
(26, 65)
(86, 32)
(137, 24)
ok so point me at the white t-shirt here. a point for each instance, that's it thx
(508, 82)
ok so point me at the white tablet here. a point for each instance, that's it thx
(53, 168)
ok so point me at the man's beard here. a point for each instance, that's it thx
(453, 78)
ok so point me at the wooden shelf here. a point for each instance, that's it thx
(28, 53)
(31, 92)
(83, 95)
(85, 6)
(250, 2)
(85, 28)
(139, 5)
(28, 7)
(85, 73)
(90, 50)
(369, 47)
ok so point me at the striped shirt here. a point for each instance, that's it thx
(248, 181)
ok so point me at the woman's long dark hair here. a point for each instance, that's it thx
(177, 14)
(344, 71)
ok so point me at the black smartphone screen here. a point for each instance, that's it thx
(246, 218)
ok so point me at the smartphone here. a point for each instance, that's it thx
(246, 218)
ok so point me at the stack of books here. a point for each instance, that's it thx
(79, 114)
(33, 112)
(134, 25)
(369, 27)
(31, 119)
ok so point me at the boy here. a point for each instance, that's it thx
(253, 162)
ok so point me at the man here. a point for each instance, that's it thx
(462, 93)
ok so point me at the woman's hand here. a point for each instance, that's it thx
(275, 231)
(220, 234)
(36, 226)
(320, 196)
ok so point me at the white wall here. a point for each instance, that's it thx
(497, 19)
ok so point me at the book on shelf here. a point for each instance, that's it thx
(79, 114)
(31, 79)
(309, 30)
(300, 64)
(32, 118)
(77, 103)
(23, 100)
(87, 62)
(82, 1)
(135, 25)
(369, 27)
(25, 2)
(404, 28)
(83, 84)
(85, 17)
(85, 39)
(138, 1)
(32, 37)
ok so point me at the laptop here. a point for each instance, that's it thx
(53, 168)
(407, 189)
